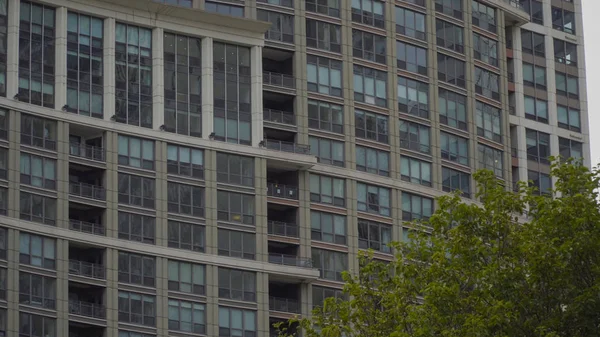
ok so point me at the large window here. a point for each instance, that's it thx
(327, 151)
(182, 3)
(38, 251)
(449, 36)
(324, 75)
(415, 171)
(416, 207)
(136, 152)
(415, 137)
(454, 148)
(369, 46)
(331, 264)
(323, 35)
(413, 97)
(540, 181)
(38, 171)
(373, 161)
(223, 8)
(133, 75)
(185, 161)
(568, 118)
(37, 208)
(37, 290)
(370, 86)
(38, 132)
(371, 126)
(186, 236)
(235, 207)
(282, 25)
(450, 7)
(484, 16)
(485, 49)
(533, 43)
(453, 109)
(535, 9)
(3, 209)
(491, 159)
(453, 180)
(536, 109)
(3, 243)
(137, 269)
(187, 316)
(237, 284)
(374, 235)
(31, 325)
(237, 322)
(565, 52)
(328, 7)
(136, 190)
(567, 85)
(237, 244)
(325, 116)
(327, 190)
(183, 84)
(487, 83)
(451, 70)
(3, 47)
(410, 23)
(411, 58)
(187, 277)
(236, 170)
(569, 148)
(538, 146)
(37, 34)
(328, 227)
(373, 199)
(563, 19)
(137, 227)
(369, 12)
(320, 294)
(137, 308)
(185, 199)
(488, 120)
(85, 68)
(534, 76)
(232, 98)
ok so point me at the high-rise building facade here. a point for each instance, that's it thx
(181, 167)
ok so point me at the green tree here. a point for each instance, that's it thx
(513, 264)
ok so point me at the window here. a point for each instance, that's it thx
(533, 43)
(534, 76)
(37, 290)
(237, 244)
(568, 118)
(410, 23)
(535, 9)
(449, 36)
(136, 152)
(37, 208)
(369, 46)
(236, 170)
(182, 3)
(453, 109)
(235, 207)
(491, 159)
(225, 9)
(187, 277)
(326, 7)
(137, 269)
(569, 148)
(542, 182)
(237, 285)
(185, 161)
(3, 209)
(187, 316)
(538, 146)
(485, 49)
(563, 20)
(415, 171)
(123, 333)
(31, 325)
(567, 85)
(136, 190)
(133, 75)
(413, 97)
(237, 322)
(324, 75)
(328, 227)
(186, 236)
(185, 199)
(370, 86)
(488, 120)
(565, 52)
(282, 25)
(3, 112)
(320, 294)
(325, 116)
(484, 16)
(373, 199)
(453, 180)
(451, 70)
(450, 7)
(373, 235)
(3, 289)
(85, 68)
(38, 171)
(411, 58)
(137, 308)
(3, 63)
(454, 148)
(328, 151)
(331, 264)
(36, 54)
(373, 161)
(38, 132)
(327, 190)
(487, 83)
(323, 35)
(232, 98)
(136, 227)
(369, 12)
(414, 137)
(416, 207)
(371, 126)
(3, 243)
(183, 84)
(284, 3)
(536, 109)
(37, 250)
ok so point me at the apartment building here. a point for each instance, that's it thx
(182, 167)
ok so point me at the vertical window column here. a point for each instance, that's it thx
(207, 87)
(256, 90)
(108, 55)
(158, 78)
(60, 48)
(12, 53)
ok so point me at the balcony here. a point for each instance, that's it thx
(87, 151)
(513, 10)
(278, 70)
(86, 269)
(87, 309)
(77, 329)
(282, 191)
(87, 191)
(86, 227)
(278, 116)
(279, 80)
(86, 263)
(283, 146)
(86, 302)
(283, 304)
(86, 145)
(282, 229)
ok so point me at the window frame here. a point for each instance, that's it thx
(197, 323)
(411, 58)
(316, 147)
(320, 261)
(28, 292)
(488, 155)
(569, 113)
(327, 36)
(382, 157)
(464, 181)
(45, 208)
(225, 175)
(147, 308)
(451, 70)
(454, 148)
(27, 325)
(365, 78)
(412, 202)
(373, 205)
(540, 109)
(336, 200)
(369, 242)
(541, 150)
(486, 126)
(374, 51)
(333, 235)
(450, 36)
(456, 118)
(413, 32)
(371, 126)
(176, 283)
(246, 295)
(125, 157)
(406, 141)
(533, 82)
(147, 226)
(409, 164)
(366, 17)
(27, 175)
(245, 248)
(196, 236)
(46, 262)
(127, 273)
(405, 88)
(244, 331)
(317, 117)
(194, 168)
(147, 197)
(38, 132)
(332, 67)
(176, 193)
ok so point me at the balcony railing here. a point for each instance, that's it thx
(278, 116)
(87, 269)
(285, 3)
(87, 151)
(86, 227)
(282, 228)
(280, 145)
(87, 309)
(87, 191)
(279, 80)
(282, 191)
(290, 260)
(284, 304)
(516, 4)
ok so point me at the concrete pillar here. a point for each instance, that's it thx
(158, 78)
(109, 68)
(12, 49)
(256, 94)
(60, 49)
(207, 87)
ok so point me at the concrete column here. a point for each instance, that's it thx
(108, 54)
(207, 87)
(62, 287)
(436, 169)
(62, 174)
(162, 297)
(14, 176)
(111, 218)
(256, 92)
(12, 286)
(212, 300)
(158, 78)
(12, 49)
(210, 202)
(160, 158)
(262, 299)
(60, 49)
(260, 209)
(112, 292)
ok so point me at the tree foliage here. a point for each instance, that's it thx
(512, 264)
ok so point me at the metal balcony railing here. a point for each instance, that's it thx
(282, 191)
(87, 309)
(284, 304)
(86, 227)
(282, 228)
(87, 269)
(279, 80)
(290, 260)
(87, 151)
(87, 191)
(278, 116)
(280, 145)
